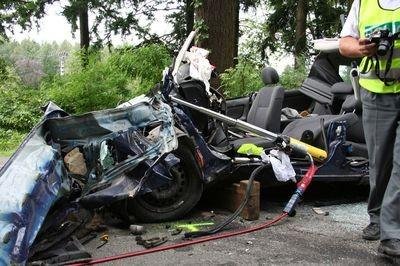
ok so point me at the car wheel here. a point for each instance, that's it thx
(173, 201)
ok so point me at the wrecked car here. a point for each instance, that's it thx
(152, 156)
(137, 159)
(134, 152)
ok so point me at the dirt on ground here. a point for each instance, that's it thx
(3, 160)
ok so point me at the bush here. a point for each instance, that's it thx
(241, 80)
(144, 64)
(108, 79)
(292, 78)
(3, 70)
(19, 105)
(20, 108)
(99, 86)
(9, 141)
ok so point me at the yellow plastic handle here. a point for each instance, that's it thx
(316, 153)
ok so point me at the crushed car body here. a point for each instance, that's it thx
(154, 154)
(105, 145)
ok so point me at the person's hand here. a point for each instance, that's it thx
(366, 48)
(356, 48)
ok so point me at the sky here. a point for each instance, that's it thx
(54, 27)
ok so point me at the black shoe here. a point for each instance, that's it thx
(390, 247)
(371, 232)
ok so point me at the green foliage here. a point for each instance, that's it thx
(112, 17)
(9, 141)
(19, 105)
(242, 79)
(20, 109)
(3, 70)
(145, 63)
(98, 86)
(245, 78)
(108, 17)
(182, 21)
(292, 78)
(272, 29)
(253, 45)
(33, 61)
(326, 22)
(202, 29)
(108, 79)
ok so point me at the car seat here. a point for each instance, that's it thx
(265, 111)
(309, 129)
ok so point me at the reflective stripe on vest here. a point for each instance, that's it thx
(372, 18)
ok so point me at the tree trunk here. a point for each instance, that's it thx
(300, 45)
(237, 25)
(84, 32)
(221, 19)
(189, 16)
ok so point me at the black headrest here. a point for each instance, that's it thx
(269, 76)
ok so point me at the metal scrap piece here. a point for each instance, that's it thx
(151, 242)
(319, 211)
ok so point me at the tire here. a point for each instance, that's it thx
(178, 198)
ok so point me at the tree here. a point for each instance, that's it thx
(300, 32)
(219, 18)
(218, 22)
(110, 16)
(33, 61)
(308, 19)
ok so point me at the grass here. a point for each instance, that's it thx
(7, 153)
(9, 141)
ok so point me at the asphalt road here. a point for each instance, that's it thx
(307, 238)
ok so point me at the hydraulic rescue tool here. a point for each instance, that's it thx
(284, 141)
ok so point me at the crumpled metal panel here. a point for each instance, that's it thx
(214, 162)
(35, 176)
(28, 187)
(119, 189)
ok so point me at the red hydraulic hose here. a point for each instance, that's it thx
(301, 187)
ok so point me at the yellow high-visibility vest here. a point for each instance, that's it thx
(373, 17)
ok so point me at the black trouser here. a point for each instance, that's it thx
(381, 118)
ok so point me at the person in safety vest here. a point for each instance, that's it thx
(371, 32)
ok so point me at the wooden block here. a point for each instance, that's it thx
(232, 196)
(252, 209)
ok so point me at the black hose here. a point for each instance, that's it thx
(322, 124)
(219, 227)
